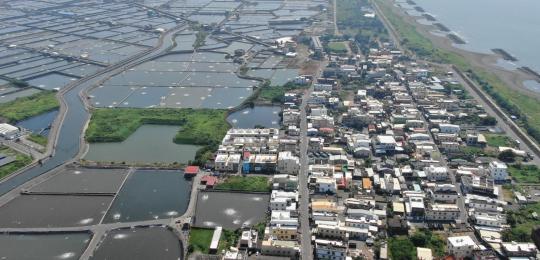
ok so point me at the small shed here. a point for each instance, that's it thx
(191, 171)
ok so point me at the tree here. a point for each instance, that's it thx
(507, 156)
(402, 248)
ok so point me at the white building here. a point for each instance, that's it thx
(490, 219)
(460, 246)
(436, 173)
(449, 128)
(275, 247)
(498, 171)
(384, 143)
(291, 117)
(442, 212)
(288, 163)
(520, 250)
(227, 162)
(326, 185)
(330, 250)
(445, 193)
(8, 131)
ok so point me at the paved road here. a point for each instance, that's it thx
(305, 230)
(503, 121)
(75, 102)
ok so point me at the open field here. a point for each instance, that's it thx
(525, 173)
(522, 223)
(275, 94)
(38, 139)
(249, 183)
(200, 238)
(20, 161)
(26, 107)
(497, 140)
(421, 43)
(337, 47)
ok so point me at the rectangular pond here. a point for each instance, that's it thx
(53, 211)
(139, 243)
(149, 144)
(150, 194)
(266, 116)
(83, 180)
(43, 246)
(230, 209)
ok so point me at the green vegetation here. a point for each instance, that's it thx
(404, 248)
(337, 47)
(497, 140)
(426, 238)
(401, 248)
(38, 139)
(21, 161)
(515, 103)
(367, 31)
(26, 107)
(245, 183)
(200, 38)
(275, 94)
(229, 238)
(200, 239)
(525, 173)
(198, 126)
(522, 223)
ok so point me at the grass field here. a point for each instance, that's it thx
(21, 161)
(199, 127)
(248, 183)
(200, 239)
(414, 41)
(522, 223)
(337, 47)
(275, 94)
(38, 139)
(497, 140)
(26, 107)
(525, 173)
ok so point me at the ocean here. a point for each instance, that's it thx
(512, 25)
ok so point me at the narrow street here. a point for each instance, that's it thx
(305, 230)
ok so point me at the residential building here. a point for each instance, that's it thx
(498, 171)
(460, 246)
(288, 163)
(330, 249)
(442, 212)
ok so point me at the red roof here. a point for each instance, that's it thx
(209, 180)
(192, 170)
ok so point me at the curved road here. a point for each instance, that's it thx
(67, 143)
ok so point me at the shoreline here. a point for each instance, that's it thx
(513, 79)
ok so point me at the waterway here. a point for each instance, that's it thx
(39, 124)
(149, 144)
(43, 246)
(150, 194)
(267, 116)
(67, 146)
(488, 24)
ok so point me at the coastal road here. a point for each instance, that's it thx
(503, 121)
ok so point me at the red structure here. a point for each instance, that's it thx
(191, 171)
